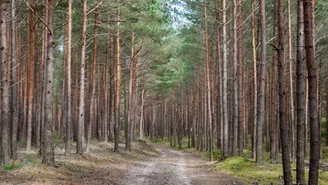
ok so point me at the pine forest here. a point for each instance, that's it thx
(164, 92)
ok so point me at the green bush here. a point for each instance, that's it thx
(216, 155)
(12, 166)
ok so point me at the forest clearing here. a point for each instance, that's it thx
(223, 91)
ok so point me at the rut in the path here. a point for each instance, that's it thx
(174, 167)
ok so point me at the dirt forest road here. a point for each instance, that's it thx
(174, 167)
(142, 166)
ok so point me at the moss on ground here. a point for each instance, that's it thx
(250, 172)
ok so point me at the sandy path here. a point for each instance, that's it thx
(142, 166)
(176, 168)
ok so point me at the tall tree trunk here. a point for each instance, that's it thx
(132, 94)
(225, 80)
(93, 85)
(291, 84)
(300, 95)
(312, 80)
(14, 85)
(69, 80)
(111, 109)
(125, 103)
(255, 79)
(44, 74)
(261, 103)
(80, 134)
(5, 114)
(117, 85)
(282, 101)
(240, 60)
(142, 115)
(208, 83)
(31, 38)
(106, 87)
(273, 122)
(219, 89)
(235, 81)
(48, 154)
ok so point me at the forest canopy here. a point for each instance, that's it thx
(230, 76)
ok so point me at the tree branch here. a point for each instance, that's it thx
(93, 9)
(37, 15)
(274, 47)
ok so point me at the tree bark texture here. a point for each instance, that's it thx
(5, 88)
(48, 155)
(282, 98)
(14, 88)
(69, 80)
(312, 92)
(225, 82)
(32, 57)
(261, 103)
(80, 133)
(117, 129)
(92, 120)
(300, 95)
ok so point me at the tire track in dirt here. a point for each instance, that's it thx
(168, 168)
(173, 167)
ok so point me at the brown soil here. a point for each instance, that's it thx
(145, 165)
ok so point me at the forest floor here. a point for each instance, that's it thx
(147, 164)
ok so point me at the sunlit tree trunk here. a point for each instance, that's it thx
(117, 85)
(80, 133)
(132, 94)
(255, 79)
(93, 85)
(291, 87)
(208, 83)
(69, 80)
(31, 39)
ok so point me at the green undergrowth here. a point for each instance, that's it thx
(166, 141)
(13, 166)
(160, 140)
(268, 173)
(325, 153)
(323, 130)
(249, 171)
(216, 155)
(19, 163)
